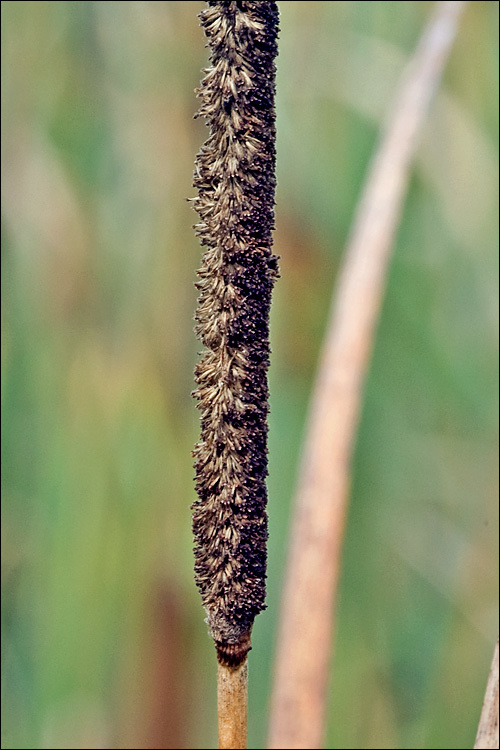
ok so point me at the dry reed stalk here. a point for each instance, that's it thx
(487, 733)
(306, 624)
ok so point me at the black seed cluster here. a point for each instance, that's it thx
(235, 177)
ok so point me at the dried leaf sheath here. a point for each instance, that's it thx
(235, 177)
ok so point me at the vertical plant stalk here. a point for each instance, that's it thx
(306, 623)
(235, 177)
(487, 733)
(232, 701)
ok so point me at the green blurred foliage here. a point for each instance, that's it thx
(103, 638)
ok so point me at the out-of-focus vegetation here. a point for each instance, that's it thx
(103, 638)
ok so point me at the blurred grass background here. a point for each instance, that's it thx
(103, 639)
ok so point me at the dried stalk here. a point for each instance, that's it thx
(487, 733)
(306, 628)
(232, 692)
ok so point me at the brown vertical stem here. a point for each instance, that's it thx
(232, 693)
(487, 733)
(306, 629)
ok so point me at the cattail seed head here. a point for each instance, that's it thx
(235, 178)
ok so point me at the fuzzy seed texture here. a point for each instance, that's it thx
(235, 178)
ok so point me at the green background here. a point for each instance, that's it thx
(103, 637)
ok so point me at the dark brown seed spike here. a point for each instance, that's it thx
(235, 178)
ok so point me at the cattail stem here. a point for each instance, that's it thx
(232, 692)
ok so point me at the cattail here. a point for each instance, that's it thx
(235, 178)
